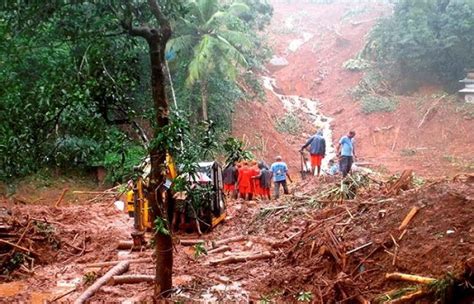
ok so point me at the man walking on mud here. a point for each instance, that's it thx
(346, 151)
(280, 173)
(317, 150)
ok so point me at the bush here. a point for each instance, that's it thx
(356, 64)
(373, 103)
(120, 165)
(288, 124)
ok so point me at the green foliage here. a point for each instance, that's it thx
(374, 103)
(48, 231)
(89, 277)
(425, 40)
(120, 163)
(289, 123)
(235, 150)
(396, 294)
(371, 83)
(199, 250)
(161, 226)
(304, 296)
(67, 80)
(13, 263)
(356, 65)
(213, 45)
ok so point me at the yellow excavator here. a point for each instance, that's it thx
(209, 174)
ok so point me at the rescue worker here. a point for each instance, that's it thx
(280, 173)
(229, 178)
(265, 181)
(346, 152)
(244, 181)
(317, 151)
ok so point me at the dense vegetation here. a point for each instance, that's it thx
(75, 86)
(424, 41)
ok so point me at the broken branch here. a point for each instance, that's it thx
(408, 218)
(409, 278)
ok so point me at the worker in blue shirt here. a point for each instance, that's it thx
(346, 153)
(280, 173)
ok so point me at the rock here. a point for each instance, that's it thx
(278, 61)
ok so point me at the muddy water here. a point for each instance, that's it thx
(310, 107)
(294, 103)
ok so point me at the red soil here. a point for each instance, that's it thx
(442, 146)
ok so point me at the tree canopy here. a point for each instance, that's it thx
(75, 86)
(425, 41)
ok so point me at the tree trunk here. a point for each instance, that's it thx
(205, 116)
(161, 205)
(158, 202)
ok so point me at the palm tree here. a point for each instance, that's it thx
(204, 35)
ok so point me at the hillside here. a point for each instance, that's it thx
(326, 36)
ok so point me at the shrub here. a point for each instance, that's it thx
(289, 123)
(373, 103)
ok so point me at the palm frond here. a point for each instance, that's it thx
(237, 39)
(238, 8)
(184, 43)
(202, 61)
(208, 8)
(230, 52)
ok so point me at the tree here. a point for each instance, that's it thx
(425, 40)
(156, 38)
(205, 36)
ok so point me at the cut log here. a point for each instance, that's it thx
(112, 263)
(408, 218)
(89, 292)
(409, 278)
(191, 242)
(219, 249)
(131, 279)
(127, 245)
(242, 258)
(60, 199)
(229, 240)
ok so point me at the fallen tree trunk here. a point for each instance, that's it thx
(131, 279)
(229, 240)
(112, 263)
(89, 292)
(244, 258)
(125, 245)
(409, 278)
(219, 249)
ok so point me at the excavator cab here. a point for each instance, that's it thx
(213, 211)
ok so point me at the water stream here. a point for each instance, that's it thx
(310, 107)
